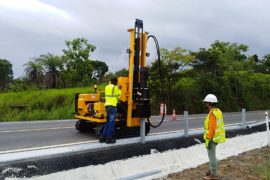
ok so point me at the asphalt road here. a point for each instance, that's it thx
(16, 136)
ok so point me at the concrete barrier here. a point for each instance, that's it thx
(158, 165)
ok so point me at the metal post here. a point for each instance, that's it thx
(142, 131)
(186, 123)
(244, 118)
(267, 128)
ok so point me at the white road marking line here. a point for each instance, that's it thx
(40, 129)
(37, 121)
(46, 147)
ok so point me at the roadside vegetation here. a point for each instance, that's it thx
(225, 69)
(40, 105)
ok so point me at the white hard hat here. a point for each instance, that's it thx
(210, 98)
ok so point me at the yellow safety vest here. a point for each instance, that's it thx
(112, 93)
(219, 136)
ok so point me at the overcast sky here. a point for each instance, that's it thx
(29, 28)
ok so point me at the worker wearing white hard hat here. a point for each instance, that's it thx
(214, 133)
(211, 98)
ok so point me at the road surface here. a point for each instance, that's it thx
(16, 136)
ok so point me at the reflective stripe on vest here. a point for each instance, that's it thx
(219, 136)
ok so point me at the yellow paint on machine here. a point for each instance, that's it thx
(92, 119)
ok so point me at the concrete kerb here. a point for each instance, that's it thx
(102, 155)
(158, 165)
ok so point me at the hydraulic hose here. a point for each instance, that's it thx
(161, 81)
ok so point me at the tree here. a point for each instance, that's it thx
(79, 67)
(230, 55)
(52, 65)
(99, 70)
(6, 73)
(266, 63)
(263, 66)
(221, 56)
(108, 76)
(34, 71)
(207, 62)
(174, 61)
(122, 72)
(251, 63)
(212, 64)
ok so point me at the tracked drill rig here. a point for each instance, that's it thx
(134, 103)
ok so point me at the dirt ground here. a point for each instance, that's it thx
(250, 165)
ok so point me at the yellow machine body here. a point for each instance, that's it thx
(82, 102)
(91, 107)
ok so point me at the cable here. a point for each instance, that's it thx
(161, 81)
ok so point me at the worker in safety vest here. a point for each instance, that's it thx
(214, 133)
(112, 93)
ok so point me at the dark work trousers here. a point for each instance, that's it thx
(109, 126)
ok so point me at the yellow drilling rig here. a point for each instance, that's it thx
(134, 103)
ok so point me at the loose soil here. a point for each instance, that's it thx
(250, 165)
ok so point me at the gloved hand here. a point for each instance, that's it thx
(206, 143)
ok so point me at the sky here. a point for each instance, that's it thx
(29, 28)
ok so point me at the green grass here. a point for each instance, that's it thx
(40, 105)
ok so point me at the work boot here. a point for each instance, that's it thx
(102, 139)
(211, 177)
(110, 140)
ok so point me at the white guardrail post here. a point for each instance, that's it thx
(142, 131)
(186, 123)
(244, 118)
(267, 127)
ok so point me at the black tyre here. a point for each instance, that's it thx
(84, 126)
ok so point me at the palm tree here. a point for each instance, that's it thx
(52, 65)
(34, 71)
